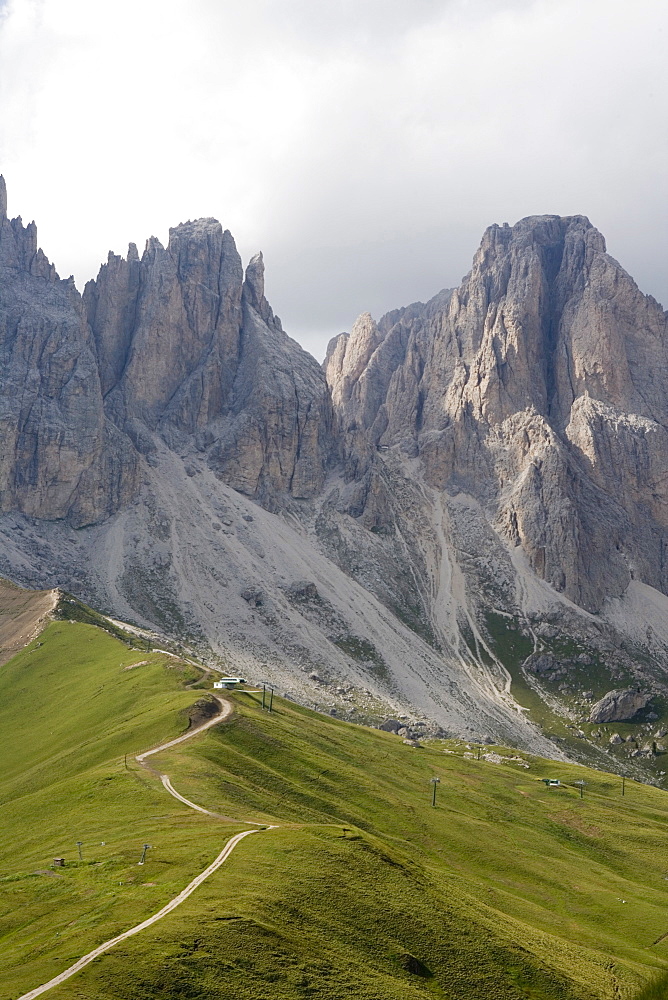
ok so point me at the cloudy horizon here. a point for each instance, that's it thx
(364, 147)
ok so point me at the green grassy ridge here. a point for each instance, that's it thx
(548, 862)
(69, 712)
(505, 891)
(270, 926)
(70, 608)
(76, 673)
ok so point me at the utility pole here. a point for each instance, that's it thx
(623, 782)
(264, 688)
(582, 787)
(147, 847)
(271, 700)
(79, 845)
(434, 782)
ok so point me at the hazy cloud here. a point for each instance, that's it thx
(363, 146)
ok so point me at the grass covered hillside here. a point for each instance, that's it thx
(70, 709)
(505, 890)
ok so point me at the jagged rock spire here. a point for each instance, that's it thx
(3, 199)
(255, 281)
(253, 290)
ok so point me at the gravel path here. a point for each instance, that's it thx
(225, 711)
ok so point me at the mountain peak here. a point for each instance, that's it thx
(544, 231)
(196, 229)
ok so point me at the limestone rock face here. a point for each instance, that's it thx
(537, 387)
(619, 706)
(167, 327)
(276, 433)
(61, 457)
(173, 346)
(192, 351)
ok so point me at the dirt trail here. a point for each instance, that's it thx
(226, 710)
(173, 903)
(22, 613)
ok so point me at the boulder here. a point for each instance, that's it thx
(619, 705)
(303, 590)
(615, 739)
(541, 663)
(391, 726)
(254, 596)
(413, 965)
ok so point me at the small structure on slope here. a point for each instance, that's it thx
(228, 682)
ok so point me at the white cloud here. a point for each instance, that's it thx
(363, 146)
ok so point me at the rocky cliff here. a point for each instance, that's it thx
(537, 387)
(175, 344)
(61, 456)
(191, 350)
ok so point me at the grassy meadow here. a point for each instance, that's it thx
(69, 712)
(506, 890)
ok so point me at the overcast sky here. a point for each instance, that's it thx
(363, 145)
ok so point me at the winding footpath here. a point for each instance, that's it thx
(225, 710)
